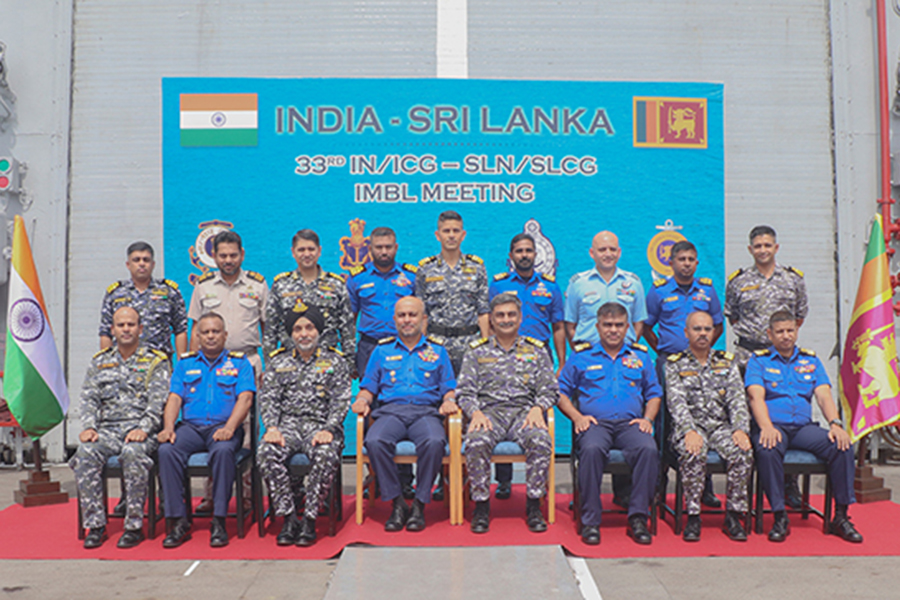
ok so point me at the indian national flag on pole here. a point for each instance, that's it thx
(218, 120)
(869, 382)
(33, 381)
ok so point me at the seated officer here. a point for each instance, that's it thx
(708, 407)
(781, 381)
(303, 399)
(213, 391)
(618, 396)
(412, 379)
(505, 385)
(121, 409)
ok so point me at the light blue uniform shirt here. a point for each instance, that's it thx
(588, 291)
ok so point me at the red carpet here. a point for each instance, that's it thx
(50, 533)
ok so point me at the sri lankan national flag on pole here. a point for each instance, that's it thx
(869, 382)
(33, 381)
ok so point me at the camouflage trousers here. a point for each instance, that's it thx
(693, 470)
(536, 444)
(456, 347)
(325, 460)
(136, 461)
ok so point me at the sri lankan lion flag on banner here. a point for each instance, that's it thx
(33, 382)
(869, 382)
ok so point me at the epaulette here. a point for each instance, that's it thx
(725, 355)
(436, 339)
(354, 271)
(763, 352)
(735, 274)
(427, 260)
(338, 276)
(336, 351)
(807, 352)
(209, 275)
(255, 276)
(795, 271)
(501, 276)
(387, 340)
(478, 342)
(171, 284)
(159, 354)
(102, 351)
(236, 354)
(549, 277)
(281, 276)
(675, 357)
(189, 354)
(112, 287)
(581, 347)
(640, 347)
(535, 341)
(475, 259)
(705, 281)
(659, 282)
(275, 353)
(411, 268)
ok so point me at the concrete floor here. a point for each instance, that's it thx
(648, 579)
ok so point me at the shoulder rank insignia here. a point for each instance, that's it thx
(735, 274)
(386, 340)
(795, 271)
(281, 276)
(675, 357)
(535, 341)
(411, 268)
(660, 282)
(338, 276)
(807, 352)
(549, 277)
(255, 276)
(705, 281)
(105, 350)
(209, 275)
(159, 354)
(189, 354)
(722, 354)
(501, 276)
(640, 347)
(275, 353)
(171, 284)
(354, 271)
(478, 342)
(436, 339)
(763, 352)
(475, 259)
(581, 347)
(336, 351)
(112, 287)
(427, 260)
(236, 354)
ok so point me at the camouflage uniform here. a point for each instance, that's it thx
(454, 297)
(750, 299)
(710, 400)
(301, 399)
(161, 308)
(329, 293)
(505, 385)
(120, 395)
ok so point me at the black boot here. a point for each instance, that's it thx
(842, 527)
(179, 532)
(416, 520)
(307, 535)
(533, 516)
(399, 514)
(691, 531)
(481, 518)
(734, 527)
(288, 535)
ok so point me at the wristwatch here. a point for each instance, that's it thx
(837, 422)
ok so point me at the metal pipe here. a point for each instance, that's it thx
(885, 133)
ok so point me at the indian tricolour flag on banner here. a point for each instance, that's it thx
(33, 381)
(218, 119)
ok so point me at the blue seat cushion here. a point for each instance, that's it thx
(201, 459)
(713, 458)
(801, 457)
(508, 449)
(407, 448)
(299, 460)
(616, 456)
(113, 462)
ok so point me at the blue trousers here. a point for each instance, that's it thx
(640, 452)
(173, 460)
(812, 438)
(422, 425)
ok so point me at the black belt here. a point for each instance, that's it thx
(368, 339)
(453, 331)
(751, 345)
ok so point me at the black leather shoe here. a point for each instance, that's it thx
(409, 491)
(288, 534)
(709, 499)
(841, 527)
(416, 520)
(792, 496)
(481, 517)
(691, 531)
(307, 535)
(637, 530)
(590, 535)
(780, 530)
(131, 538)
(733, 527)
(503, 491)
(119, 510)
(534, 517)
(397, 520)
(95, 537)
(218, 537)
(179, 533)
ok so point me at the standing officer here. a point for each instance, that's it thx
(669, 302)
(213, 391)
(781, 381)
(304, 398)
(542, 315)
(618, 397)
(706, 400)
(374, 290)
(121, 408)
(454, 288)
(158, 302)
(309, 284)
(506, 384)
(412, 379)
